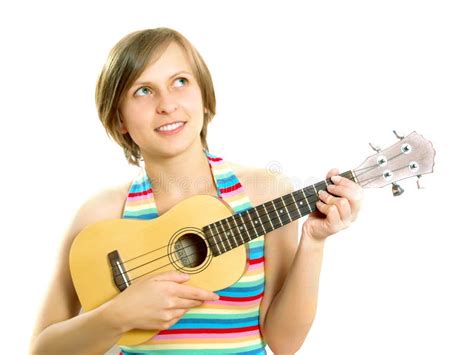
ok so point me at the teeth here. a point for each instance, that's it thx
(170, 127)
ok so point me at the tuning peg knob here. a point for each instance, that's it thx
(375, 147)
(396, 189)
(419, 183)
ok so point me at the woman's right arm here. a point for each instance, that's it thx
(154, 303)
(59, 329)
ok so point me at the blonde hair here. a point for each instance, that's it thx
(126, 61)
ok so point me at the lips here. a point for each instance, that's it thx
(165, 124)
(171, 132)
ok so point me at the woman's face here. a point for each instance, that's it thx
(165, 92)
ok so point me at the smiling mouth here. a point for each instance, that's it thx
(171, 128)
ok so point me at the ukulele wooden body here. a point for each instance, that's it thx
(174, 241)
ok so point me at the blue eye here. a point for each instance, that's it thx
(184, 79)
(144, 87)
(145, 93)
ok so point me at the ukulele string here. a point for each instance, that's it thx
(293, 204)
(221, 242)
(232, 229)
(372, 167)
(370, 179)
(309, 194)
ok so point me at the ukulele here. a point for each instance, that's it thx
(203, 237)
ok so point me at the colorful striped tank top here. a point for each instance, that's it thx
(229, 325)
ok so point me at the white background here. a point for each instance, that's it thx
(301, 86)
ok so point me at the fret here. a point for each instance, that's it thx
(224, 243)
(315, 191)
(233, 241)
(272, 212)
(303, 206)
(296, 205)
(322, 185)
(216, 243)
(257, 213)
(276, 210)
(256, 222)
(245, 226)
(349, 175)
(252, 226)
(311, 197)
(310, 206)
(210, 237)
(281, 211)
(239, 231)
(291, 207)
(263, 216)
(268, 217)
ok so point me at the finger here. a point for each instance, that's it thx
(186, 303)
(174, 275)
(353, 195)
(326, 197)
(174, 313)
(342, 205)
(344, 210)
(347, 192)
(332, 172)
(178, 313)
(195, 293)
(331, 212)
(341, 180)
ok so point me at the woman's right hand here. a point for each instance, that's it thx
(156, 302)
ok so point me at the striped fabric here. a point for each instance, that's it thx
(229, 325)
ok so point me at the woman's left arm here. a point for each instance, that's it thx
(292, 270)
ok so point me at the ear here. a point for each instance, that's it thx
(123, 128)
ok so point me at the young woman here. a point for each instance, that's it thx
(155, 97)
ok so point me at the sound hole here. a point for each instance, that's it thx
(191, 250)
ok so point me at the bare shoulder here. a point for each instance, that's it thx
(104, 204)
(261, 184)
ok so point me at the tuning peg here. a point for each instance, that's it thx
(396, 189)
(419, 184)
(375, 147)
(398, 135)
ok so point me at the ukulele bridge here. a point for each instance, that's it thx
(121, 279)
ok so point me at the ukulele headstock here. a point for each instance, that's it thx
(411, 156)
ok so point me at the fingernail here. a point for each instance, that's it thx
(321, 192)
(336, 178)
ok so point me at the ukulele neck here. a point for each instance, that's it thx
(231, 232)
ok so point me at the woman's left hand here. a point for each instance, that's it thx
(335, 210)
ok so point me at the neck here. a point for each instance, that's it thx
(181, 175)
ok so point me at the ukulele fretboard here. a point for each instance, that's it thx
(231, 232)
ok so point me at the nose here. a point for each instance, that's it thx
(166, 104)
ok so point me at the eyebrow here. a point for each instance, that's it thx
(148, 82)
